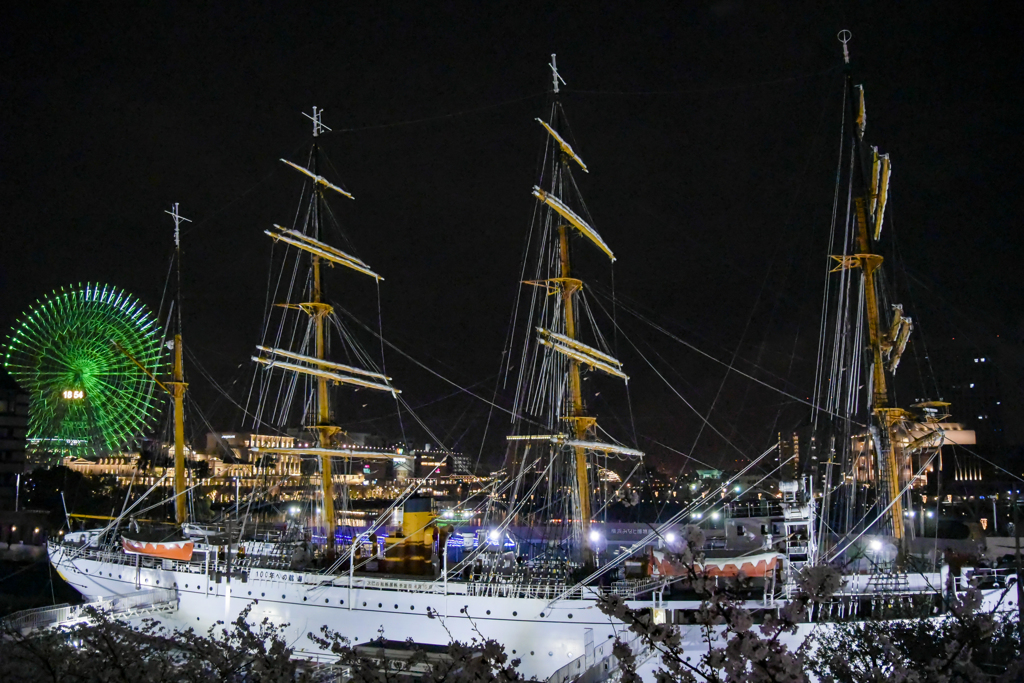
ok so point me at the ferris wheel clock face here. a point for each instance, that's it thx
(83, 354)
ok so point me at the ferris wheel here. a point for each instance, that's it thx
(87, 356)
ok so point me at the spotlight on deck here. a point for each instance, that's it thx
(715, 516)
(670, 537)
(875, 545)
(493, 535)
(594, 536)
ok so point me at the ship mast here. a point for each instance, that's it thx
(569, 286)
(870, 189)
(318, 366)
(177, 387)
(563, 338)
(325, 431)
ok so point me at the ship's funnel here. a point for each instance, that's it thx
(412, 551)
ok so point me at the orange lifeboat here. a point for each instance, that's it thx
(168, 549)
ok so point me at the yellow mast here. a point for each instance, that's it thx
(317, 365)
(178, 393)
(869, 194)
(581, 423)
(177, 388)
(324, 430)
(887, 416)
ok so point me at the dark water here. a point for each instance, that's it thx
(24, 585)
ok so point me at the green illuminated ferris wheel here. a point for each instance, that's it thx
(83, 354)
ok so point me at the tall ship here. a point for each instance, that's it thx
(532, 577)
(398, 580)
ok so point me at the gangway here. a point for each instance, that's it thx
(152, 601)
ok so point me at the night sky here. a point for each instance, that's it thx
(711, 131)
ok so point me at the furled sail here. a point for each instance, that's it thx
(324, 251)
(331, 376)
(566, 147)
(581, 352)
(318, 179)
(323, 363)
(564, 440)
(569, 215)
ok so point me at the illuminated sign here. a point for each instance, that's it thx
(73, 394)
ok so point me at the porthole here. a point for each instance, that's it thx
(462, 611)
(379, 604)
(396, 606)
(327, 601)
(341, 601)
(158, 582)
(515, 614)
(542, 615)
(531, 652)
(304, 599)
(250, 592)
(197, 618)
(263, 595)
(364, 604)
(412, 608)
(488, 611)
(282, 597)
(570, 615)
(513, 651)
(119, 576)
(551, 654)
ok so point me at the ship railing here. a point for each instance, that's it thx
(523, 589)
(630, 588)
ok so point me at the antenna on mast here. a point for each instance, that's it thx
(318, 127)
(555, 76)
(844, 38)
(177, 223)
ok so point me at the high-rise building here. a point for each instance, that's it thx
(968, 377)
(13, 430)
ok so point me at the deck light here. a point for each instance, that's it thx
(670, 537)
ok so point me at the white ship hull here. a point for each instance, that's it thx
(545, 636)
(548, 638)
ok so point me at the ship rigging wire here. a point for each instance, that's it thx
(664, 527)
